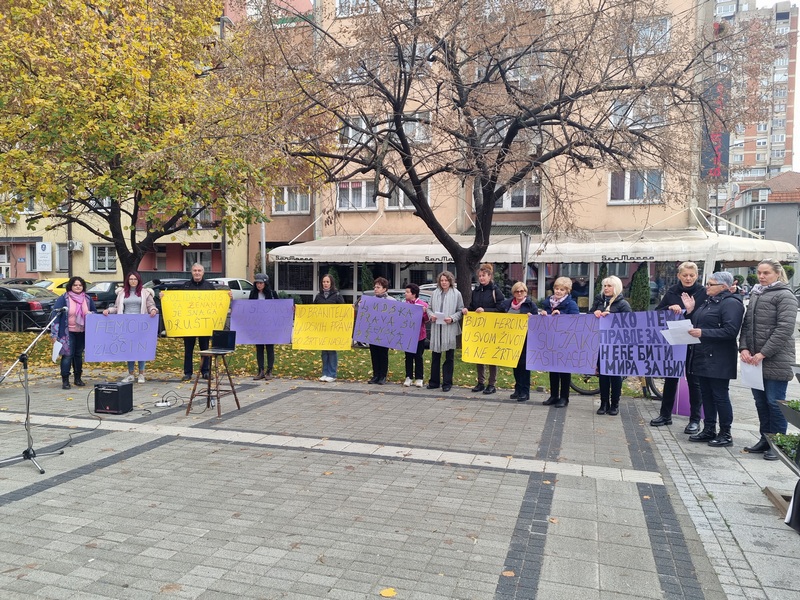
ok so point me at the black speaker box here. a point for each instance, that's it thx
(113, 398)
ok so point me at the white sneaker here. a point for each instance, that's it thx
(141, 378)
(418, 383)
(331, 379)
(407, 382)
(324, 378)
(128, 379)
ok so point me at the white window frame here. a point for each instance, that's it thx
(291, 200)
(349, 8)
(573, 270)
(778, 138)
(737, 158)
(761, 156)
(30, 256)
(761, 128)
(62, 257)
(761, 143)
(530, 191)
(652, 190)
(354, 133)
(777, 153)
(652, 35)
(619, 269)
(759, 218)
(398, 200)
(637, 114)
(104, 258)
(779, 123)
(365, 199)
(196, 255)
(417, 128)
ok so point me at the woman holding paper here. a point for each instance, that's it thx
(560, 303)
(330, 359)
(610, 301)
(69, 329)
(445, 315)
(672, 300)
(716, 324)
(133, 299)
(262, 291)
(520, 304)
(766, 340)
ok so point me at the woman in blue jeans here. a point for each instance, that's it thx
(70, 328)
(330, 359)
(766, 339)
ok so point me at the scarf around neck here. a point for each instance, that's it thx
(760, 289)
(80, 302)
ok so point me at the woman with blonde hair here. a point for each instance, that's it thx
(446, 302)
(607, 302)
(521, 304)
(766, 339)
(560, 303)
(487, 297)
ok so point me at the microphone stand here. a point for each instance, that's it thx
(29, 453)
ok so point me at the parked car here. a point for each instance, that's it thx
(57, 284)
(104, 293)
(19, 281)
(21, 310)
(240, 287)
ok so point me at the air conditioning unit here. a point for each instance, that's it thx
(75, 246)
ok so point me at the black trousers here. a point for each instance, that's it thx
(446, 369)
(380, 361)
(559, 384)
(188, 354)
(270, 356)
(610, 384)
(414, 361)
(671, 393)
(522, 377)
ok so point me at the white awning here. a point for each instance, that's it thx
(597, 247)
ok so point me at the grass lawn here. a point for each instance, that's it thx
(354, 364)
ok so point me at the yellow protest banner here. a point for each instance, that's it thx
(323, 327)
(189, 313)
(490, 338)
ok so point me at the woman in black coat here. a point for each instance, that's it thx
(521, 304)
(560, 303)
(716, 323)
(262, 291)
(330, 358)
(673, 300)
(610, 301)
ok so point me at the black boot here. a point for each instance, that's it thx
(761, 446)
(65, 383)
(613, 410)
(709, 433)
(603, 407)
(723, 438)
(268, 375)
(259, 376)
(562, 402)
(551, 400)
(661, 420)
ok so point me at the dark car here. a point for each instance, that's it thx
(19, 281)
(104, 293)
(21, 310)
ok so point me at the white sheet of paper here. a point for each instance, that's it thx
(440, 317)
(752, 376)
(677, 333)
(56, 350)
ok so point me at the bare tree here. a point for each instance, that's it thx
(491, 93)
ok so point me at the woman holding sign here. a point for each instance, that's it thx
(262, 291)
(560, 303)
(380, 354)
(766, 340)
(520, 304)
(133, 299)
(69, 329)
(445, 315)
(610, 301)
(330, 358)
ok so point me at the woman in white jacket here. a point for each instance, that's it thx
(133, 299)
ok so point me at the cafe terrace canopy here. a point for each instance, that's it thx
(593, 247)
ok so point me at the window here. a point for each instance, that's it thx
(759, 216)
(355, 195)
(778, 138)
(291, 200)
(201, 214)
(761, 128)
(637, 114)
(104, 258)
(196, 256)
(652, 36)
(635, 186)
(763, 196)
(761, 143)
(620, 269)
(5, 252)
(353, 132)
(761, 156)
(101, 205)
(417, 127)
(161, 257)
(348, 8)
(778, 123)
(781, 30)
(575, 270)
(737, 158)
(740, 128)
(782, 61)
(524, 195)
(779, 108)
(31, 258)
(780, 92)
(725, 10)
(62, 257)
(778, 153)
(398, 200)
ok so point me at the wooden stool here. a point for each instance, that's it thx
(213, 395)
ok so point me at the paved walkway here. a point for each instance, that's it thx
(343, 490)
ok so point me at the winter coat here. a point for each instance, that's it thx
(768, 328)
(195, 286)
(59, 330)
(568, 306)
(444, 335)
(719, 318)
(334, 297)
(148, 303)
(422, 333)
(620, 305)
(269, 294)
(488, 297)
(673, 295)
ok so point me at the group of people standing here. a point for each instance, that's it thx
(759, 335)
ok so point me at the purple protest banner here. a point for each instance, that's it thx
(388, 323)
(563, 344)
(121, 337)
(630, 344)
(262, 321)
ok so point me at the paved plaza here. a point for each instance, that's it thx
(346, 490)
